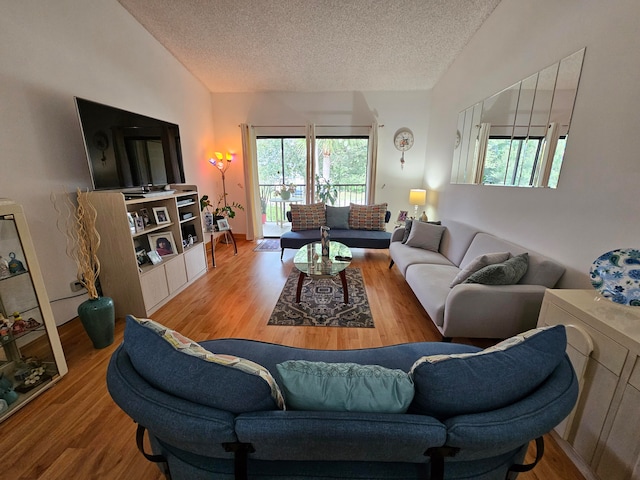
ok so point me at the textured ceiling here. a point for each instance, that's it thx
(313, 45)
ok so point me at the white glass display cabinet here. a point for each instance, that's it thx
(31, 357)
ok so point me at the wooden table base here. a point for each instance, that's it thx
(343, 279)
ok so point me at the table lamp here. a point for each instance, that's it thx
(417, 197)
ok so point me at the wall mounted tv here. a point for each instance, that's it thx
(127, 150)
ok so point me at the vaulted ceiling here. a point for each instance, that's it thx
(313, 45)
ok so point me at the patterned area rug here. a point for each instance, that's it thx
(322, 303)
(268, 245)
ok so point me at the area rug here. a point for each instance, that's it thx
(322, 302)
(268, 245)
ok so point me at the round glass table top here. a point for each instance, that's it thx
(309, 259)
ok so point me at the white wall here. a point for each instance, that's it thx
(391, 109)
(51, 52)
(594, 209)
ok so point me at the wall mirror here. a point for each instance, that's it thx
(518, 136)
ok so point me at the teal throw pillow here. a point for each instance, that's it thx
(338, 217)
(506, 273)
(344, 387)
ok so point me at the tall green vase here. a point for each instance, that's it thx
(98, 319)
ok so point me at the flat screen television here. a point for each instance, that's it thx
(129, 151)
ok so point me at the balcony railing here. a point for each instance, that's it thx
(274, 207)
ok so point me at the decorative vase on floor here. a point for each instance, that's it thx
(98, 319)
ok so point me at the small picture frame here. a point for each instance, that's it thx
(154, 257)
(132, 224)
(144, 213)
(402, 216)
(163, 243)
(139, 223)
(161, 214)
(223, 225)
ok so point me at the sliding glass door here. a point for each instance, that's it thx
(335, 172)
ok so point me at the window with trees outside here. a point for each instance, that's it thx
(515, 161)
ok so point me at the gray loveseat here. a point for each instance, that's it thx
(338, 220)
(472, 310)
(211, 412)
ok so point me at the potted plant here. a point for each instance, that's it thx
(265, 194)
(285, 191)
(324, 191)
(97, 314)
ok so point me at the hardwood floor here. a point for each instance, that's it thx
(74, 430)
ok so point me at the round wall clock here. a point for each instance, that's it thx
(403, 140)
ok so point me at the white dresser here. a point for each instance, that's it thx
(604, 347)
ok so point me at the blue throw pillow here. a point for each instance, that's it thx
(338, 217)
(457, 384)
(344, 387)
(179, 366)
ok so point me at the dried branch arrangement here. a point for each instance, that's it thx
(78, 223)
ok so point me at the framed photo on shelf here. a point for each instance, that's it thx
(223, 225)
(144, 213)
(161, 214)
(132, 224)
(154, 257)
(139, 222)
(163, 243)
(402, 216)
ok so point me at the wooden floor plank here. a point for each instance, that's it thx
(74, 430)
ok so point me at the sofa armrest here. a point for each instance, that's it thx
(491, 311)
(397, 234)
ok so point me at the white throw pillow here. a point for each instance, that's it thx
(479, 263)
(425, 235)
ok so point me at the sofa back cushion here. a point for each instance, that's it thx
(177, 365)
(541, 270)
(307, 217)
(367, 217)
(458, 384)
(456, 239)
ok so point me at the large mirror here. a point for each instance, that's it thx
(518, 136)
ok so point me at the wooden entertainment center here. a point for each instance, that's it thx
(141, 288)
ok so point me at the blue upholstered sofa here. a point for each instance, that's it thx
(340, 232)
(210, 412)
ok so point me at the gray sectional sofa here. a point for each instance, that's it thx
(473, 310)
(226, 408)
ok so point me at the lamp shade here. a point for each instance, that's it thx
(417, 197)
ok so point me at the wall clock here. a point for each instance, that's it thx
(403, 141)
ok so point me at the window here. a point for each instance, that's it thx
(518, 161)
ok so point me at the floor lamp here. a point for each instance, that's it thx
(223, 162)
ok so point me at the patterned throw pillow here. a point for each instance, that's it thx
(177, 369)
(367, 217)
(307, 217)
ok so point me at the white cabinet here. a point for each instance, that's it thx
(137, 286)
(603, 428)
(31, 357)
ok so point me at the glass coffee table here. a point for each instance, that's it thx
(311, 263)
